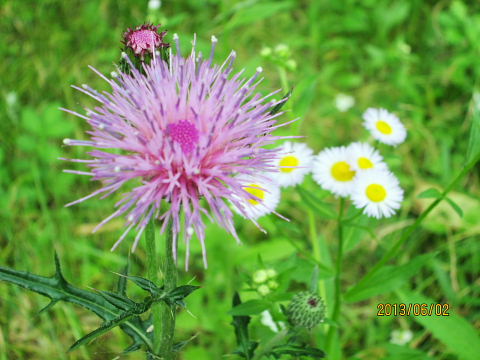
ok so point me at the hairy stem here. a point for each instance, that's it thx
(338, 277)
(152, 273)
(167, 312)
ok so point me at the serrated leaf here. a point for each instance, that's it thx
(145, 284)
(107, 326)
(57, 288)
(455, 206)
(176, 296)
(250, 307)
(245, 347)
(387, 279)
(429, 194)
(296, 350)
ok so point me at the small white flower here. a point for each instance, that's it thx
(401, 337)
(263, 198)
(332, 171)
(293, 164)
(267, 320)
(365, 157)
(154, 4)
(344, 102)
(384, 126)
(378, 192)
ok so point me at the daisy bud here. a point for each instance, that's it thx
(263, 290)
(260, 276)
(306, 310)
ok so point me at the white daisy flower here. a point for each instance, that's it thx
(384, 126)
(365, 157)
(378, 192)
(261, 199)
(294, 163)
(332, 171)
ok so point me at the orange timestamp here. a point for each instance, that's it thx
(401, 309)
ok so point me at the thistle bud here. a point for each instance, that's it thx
(306, 310)
(142, 43)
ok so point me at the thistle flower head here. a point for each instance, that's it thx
(144, 39)
(184, 134)
(306, 310)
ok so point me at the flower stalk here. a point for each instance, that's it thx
(338, 278)
(168, 316)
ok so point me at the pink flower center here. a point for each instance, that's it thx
(145, 39)
(184, 133)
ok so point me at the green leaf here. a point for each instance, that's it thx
(246, 347)
(250, 307)
(455, 206)
(279, 106)
(454, 331)
(145, 284)
(256, 12)
(430, 193)
(58, 289)
(176, 296)
(398, 352)
(473, 150)
(387, 279)
(320, 207)
(107, 326)
(296, 350)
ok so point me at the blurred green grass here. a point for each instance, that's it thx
(417, 58)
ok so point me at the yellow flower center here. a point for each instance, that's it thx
(376, 192)
(256, 191)
(364, 163)
(341, 171)
(289, 161)
(384, 127)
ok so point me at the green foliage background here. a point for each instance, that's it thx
(417, 58)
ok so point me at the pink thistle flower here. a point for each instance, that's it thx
(190, 132)
(144, 39)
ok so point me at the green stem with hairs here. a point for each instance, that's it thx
(167, 312)
(163, 315)
(337, 305)
(152, 274)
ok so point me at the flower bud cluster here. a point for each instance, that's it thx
(280, 55)
(264, 281)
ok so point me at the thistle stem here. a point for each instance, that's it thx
(167, 312)
(152, 273)
(338, 278)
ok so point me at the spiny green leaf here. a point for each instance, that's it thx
(430, 193)
(176, 296)
(246, 347)
(145, 284)
(107, 326)
(57, 288)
